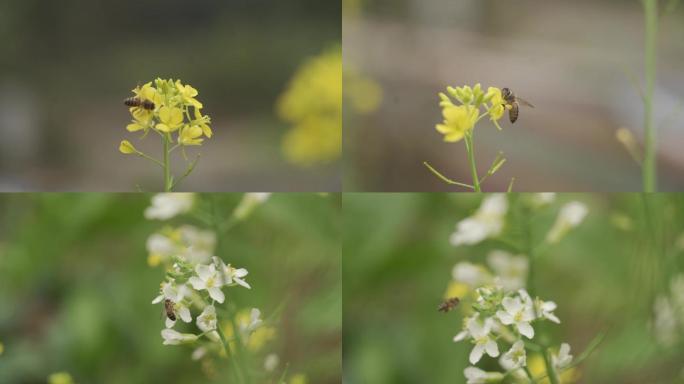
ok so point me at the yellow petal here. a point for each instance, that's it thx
(133, 127)
(126, 147)
(453, 137)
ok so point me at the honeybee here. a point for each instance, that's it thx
(514, 102)
(139, 103)
(168, 307)
(448, 304)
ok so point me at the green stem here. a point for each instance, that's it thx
(651, 38)
(166, 139)
(471, 159)
(550, 369)
(231, 356)
(444, 178)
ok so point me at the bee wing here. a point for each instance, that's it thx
(524, 102)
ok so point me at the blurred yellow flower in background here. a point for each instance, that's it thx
(60, 378)
(537, 367)
(312, 104)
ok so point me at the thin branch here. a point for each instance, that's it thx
(445, 179)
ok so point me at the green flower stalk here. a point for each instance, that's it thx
(459, 124)
(168, 108)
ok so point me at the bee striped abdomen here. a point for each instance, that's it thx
(448, 304)
(168, 306)
(136, 102)
(513, 112)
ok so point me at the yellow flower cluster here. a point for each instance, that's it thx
(166, 107)
(312, 103)
(459, 119)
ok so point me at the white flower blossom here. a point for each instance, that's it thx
(248, 203)
(464, 333)
(206, 321)
(516, 357)
(173, 337)
(475, 375)
(488, 221)
(271, 362)
(471, 274)
(208, 278)
(563, 358)
(570, 216)
(167, 205)
(231, 275)
(254, 321)
(480, 332)
(199, 353)
(177, 294)
(519, 313)
(511, 270)
(190, 243)
(664, 322)
(543, 198)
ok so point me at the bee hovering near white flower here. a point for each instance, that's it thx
(570, 216)
(167, 205)
(487, 222)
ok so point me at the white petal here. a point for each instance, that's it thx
(525, 329)
(205, 271)
(476, 353)
(505, 317)
(158, 299)
(197, 283)
(242, 282)
(460, 336)
(553, 318)
(492, 348)
(216, 294)
(170, 323)
(512, 305)
(184, 314)
(241, 272)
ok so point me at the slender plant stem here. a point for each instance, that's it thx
(651, 38)
(226, 348)
(167, 167)
(471, 158)
(444, 178)
(550, 369)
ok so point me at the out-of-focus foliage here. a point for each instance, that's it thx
(605, 275)
(76, 289)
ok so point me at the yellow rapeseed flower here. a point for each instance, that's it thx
(171, 119)
(458, 120)
(126, 147)
(497, 109)
(312, 104)
(537, 367)
(298, 378)
(190, 135)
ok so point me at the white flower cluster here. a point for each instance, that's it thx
(509, 318)
(489, 219)
(509, 271)
(195, 278)
(668, 310)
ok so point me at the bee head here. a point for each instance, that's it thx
(505, 93)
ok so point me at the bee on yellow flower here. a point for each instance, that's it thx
(460, 119)
(165, 107)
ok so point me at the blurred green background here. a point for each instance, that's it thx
(604, 276)
(75, 287)
(576, 61)
(67, 66)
